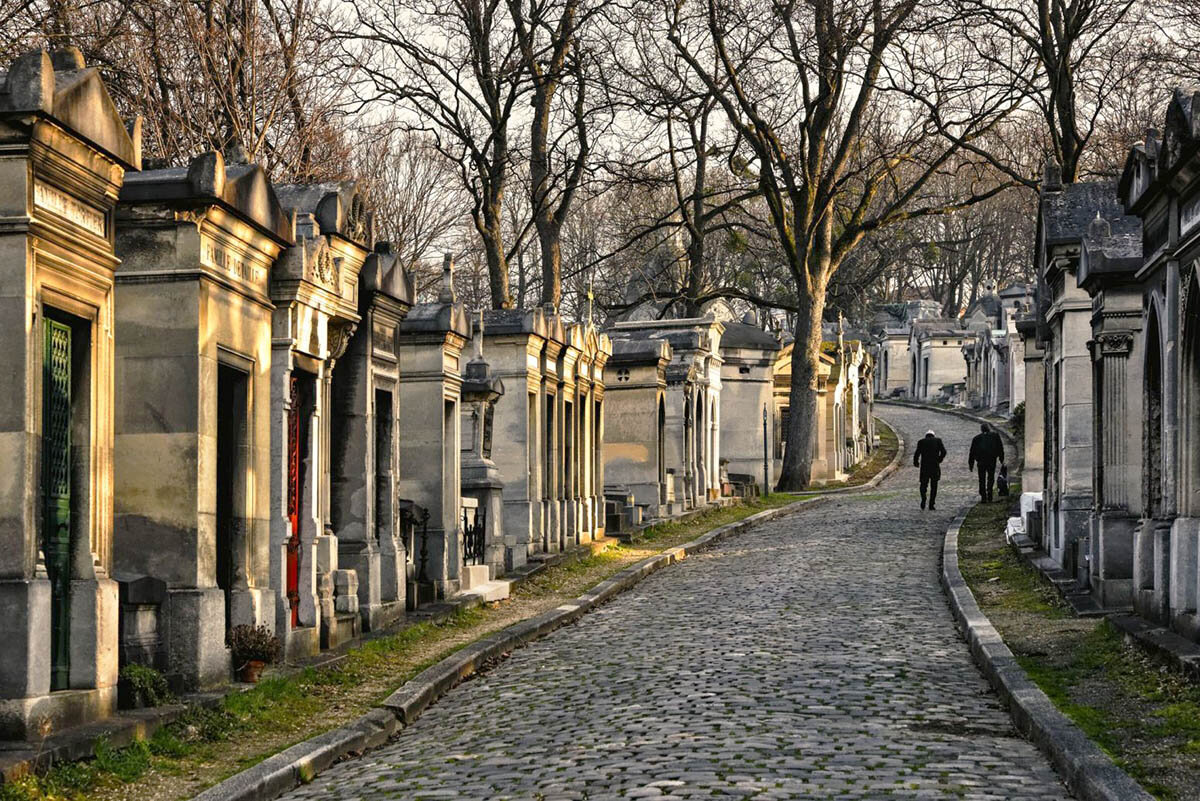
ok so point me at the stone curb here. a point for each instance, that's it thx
(302, 762)
(1088, 772)
(876, 480)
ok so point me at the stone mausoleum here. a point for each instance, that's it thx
(192, 450)
(65, 155)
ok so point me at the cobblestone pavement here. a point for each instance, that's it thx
(812, 657)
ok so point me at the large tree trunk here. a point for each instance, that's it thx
(497, 262)
(802, 398)
(550, 240)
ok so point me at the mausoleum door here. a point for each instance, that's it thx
(383, 464)
(232, 390)
(297, 437)
(56, 493)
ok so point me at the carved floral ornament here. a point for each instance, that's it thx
(356, 219)
(1116, 344)
(325, 267)
(1185, 287)
(339, 337)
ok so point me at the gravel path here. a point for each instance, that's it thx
(811, 657)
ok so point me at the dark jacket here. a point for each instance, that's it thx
(928, 456)
(986, 448)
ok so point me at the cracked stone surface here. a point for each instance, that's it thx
(811, 657)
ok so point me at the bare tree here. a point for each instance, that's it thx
(419, 207)
(1071, 58)
(548, 33)
(455, 72)
(849, 111)
(255, 76)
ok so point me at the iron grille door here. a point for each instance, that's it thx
(56, 494)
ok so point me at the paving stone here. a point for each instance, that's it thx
(809, 657)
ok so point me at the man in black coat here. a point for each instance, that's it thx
(986, 449)
(928, 456)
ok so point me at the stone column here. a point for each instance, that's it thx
(1117, 477)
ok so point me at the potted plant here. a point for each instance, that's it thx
(254, 647)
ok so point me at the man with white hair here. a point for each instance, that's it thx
(928, 456)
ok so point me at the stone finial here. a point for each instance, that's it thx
(30, 82)
(206, 174)
(67, 59)
(1099, 229)
(446, 289)
(1052, 175)
(479, 337)
(1152, 141)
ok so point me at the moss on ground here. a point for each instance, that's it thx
(1144, 715)
(207, 745)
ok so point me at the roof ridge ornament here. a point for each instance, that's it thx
(446, 289)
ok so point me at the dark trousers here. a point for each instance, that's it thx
(987, 479)
(929, 485)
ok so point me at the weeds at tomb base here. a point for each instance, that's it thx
(1144, 715)
(205, 745)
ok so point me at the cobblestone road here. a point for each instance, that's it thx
(812, 657)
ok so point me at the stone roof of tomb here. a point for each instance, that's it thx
(59, 86)
(242, 188)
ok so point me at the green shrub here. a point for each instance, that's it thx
(148, 683)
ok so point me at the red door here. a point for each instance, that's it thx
(293, 502)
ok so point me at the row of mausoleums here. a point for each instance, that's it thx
(976, 361)
(1112, 352)
(230, 408)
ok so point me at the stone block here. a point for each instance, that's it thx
(95, 621)
(326, 552)
(345, 588)
(24, 630)
(195, 624)
(1183, 552)
(475, 576)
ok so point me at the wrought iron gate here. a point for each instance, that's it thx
(56, 494)
(474, 529)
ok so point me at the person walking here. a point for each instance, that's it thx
(986, 449)
(928, 456)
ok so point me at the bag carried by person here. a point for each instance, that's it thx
(1002, 480)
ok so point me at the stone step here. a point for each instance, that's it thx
(495, 590)
(475, 576)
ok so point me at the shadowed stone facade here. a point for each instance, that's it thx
(314, 286)
(192, 451)
(366, 444)
(635, 461)
(748, 356)
(692, 404)
(432, 337)
(64, 158)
